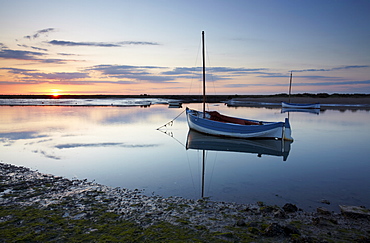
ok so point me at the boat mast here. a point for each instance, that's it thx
(290, 85)
(204, 77)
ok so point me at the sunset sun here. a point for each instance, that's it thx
(55, 92)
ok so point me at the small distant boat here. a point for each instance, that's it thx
(174, 104)
(300, 106)
(214, 123)
(297, 106)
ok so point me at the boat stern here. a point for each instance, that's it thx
(287, 132)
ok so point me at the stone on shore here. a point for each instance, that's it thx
(355, 212)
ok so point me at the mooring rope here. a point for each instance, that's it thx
(170, 123)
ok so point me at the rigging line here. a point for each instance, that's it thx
(171, 135)
(211, 74)
(195, 66)
(171, 122)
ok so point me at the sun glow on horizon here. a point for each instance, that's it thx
(55, 92)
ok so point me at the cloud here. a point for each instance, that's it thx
(338, 83)
(144, 43)
(331, 69)
(72, 43)
(66, 54)
(18, 70)
(30, 73)
(100, 44)
(21, 135)
(138, 73)
(21, 55)
(334, 83)
(237, 70)
(27, 55)
(181, 71)
(38, 33)
(33, 47)
(148, 73)
(58, 75)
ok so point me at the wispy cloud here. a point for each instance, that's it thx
(334, 83)
(39, 32)
(21, 55)
(33, 47)
(59, 75)
(138, 73)
(331, 69)
(21, 135)
(100, 44)
(338, 83)
(28, 56)
(66, 54)
(29, 73)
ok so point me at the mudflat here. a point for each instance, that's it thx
(323, 101)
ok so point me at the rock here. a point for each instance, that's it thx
(324, 221)
(355, 212)
(290, 230)
(290, 208)
(240, 222)
(267, 209)
(274, 230)
(323, 211)
(279, 214)
(259, 203)
(325, 201)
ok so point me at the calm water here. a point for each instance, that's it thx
(120, 147)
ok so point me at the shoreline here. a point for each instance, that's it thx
(77, 199)
(328, 102)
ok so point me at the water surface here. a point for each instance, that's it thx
(120, 147)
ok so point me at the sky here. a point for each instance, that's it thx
(132, 47)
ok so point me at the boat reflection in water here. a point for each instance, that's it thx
(312, 111)
(260, 147)
(200, 141)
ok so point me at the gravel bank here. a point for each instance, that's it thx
(258, 222)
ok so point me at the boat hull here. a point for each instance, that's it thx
(279, 130)
(300, 106)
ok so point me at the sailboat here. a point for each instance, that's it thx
(298, 106)
(214, 123)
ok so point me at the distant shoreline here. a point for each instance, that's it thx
(321, 97)
(327, 101)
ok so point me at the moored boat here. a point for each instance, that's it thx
(214, 123)
(300, 106)
(297, 106)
